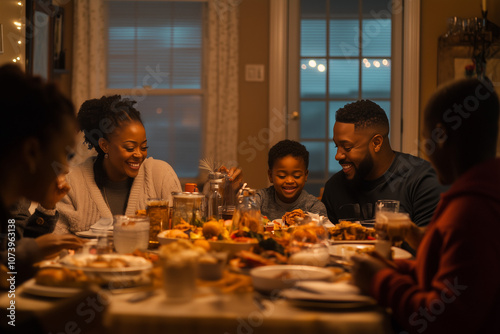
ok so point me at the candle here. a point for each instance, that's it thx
(483, 5)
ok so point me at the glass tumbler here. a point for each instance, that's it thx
(130, 233)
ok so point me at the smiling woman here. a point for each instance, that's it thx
(120, 179)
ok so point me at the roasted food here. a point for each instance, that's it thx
(62, 277)
(179, 234)
(290, 218)
(346, 230)
(248, 259)
(309, 233)
(211, 230)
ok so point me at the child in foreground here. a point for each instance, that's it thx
(288, 163)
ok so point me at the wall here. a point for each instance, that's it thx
(253, 96)
(10, 11)
(433, 24)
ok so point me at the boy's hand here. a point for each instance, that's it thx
(55, 193)
(51, 244)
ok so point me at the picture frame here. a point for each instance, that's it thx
(40, 38)
(1, 38)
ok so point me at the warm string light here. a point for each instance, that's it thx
(19, 25)
(366, 63)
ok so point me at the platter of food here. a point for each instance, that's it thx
(33, 288)
(106, 263)
(168, 236)
(231, 246)
(351, 231)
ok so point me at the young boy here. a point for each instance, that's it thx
(288, 161)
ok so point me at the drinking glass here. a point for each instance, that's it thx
(386, 205)
(130, 233)
(158, 213)
(383, 208)
(180, 270)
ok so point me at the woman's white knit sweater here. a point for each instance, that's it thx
(84, 204)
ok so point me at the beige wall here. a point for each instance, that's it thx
(433, 24)
(253, 96)
(10, 11)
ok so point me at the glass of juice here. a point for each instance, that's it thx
(158, 213)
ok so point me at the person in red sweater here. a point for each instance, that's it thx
(453, 285)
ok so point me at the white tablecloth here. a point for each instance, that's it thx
(228, 313)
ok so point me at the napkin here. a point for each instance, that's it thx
(103, 224)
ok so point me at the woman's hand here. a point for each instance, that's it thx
(364, 269)
(51, 244)
(235, 175)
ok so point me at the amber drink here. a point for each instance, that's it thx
(158, 213)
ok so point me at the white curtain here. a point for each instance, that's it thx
(89, 54)
(222, 98)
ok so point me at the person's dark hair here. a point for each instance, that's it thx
(285, 148)
(30, 107)
(98, 118)
(468, 110)
(363, 114)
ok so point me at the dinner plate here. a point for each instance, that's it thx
(326, 295)
(136, 264)
(91, 234)
(347, 250)
(103, 224)
(358, 242)
(35, 289)
(278, 277)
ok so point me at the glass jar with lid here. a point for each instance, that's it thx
(247, 216)
(188, 208)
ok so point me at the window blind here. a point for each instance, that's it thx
(158, 45)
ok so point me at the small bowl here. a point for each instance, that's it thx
(315, 256)
(269, 278)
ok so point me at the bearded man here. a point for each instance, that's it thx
(372, 171)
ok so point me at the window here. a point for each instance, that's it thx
(155, 55)
(344, 54)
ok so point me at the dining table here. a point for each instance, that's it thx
(211, 311)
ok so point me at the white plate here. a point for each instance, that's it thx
(33, 288)
(103, 224)
(347, 250)
(136, 264)
(278, 277)
(364, 242)
(91, 234)
(326, 295)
